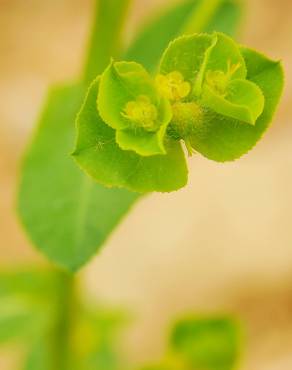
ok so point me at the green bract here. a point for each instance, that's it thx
(129, 103)
(101, 156)
(210, 93)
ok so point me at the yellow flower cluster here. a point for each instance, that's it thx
(218, 80)
(142, 112)
(173, 86)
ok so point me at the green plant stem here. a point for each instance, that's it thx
(64, 322)
(105, 39)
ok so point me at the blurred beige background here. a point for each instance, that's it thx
(223, 244)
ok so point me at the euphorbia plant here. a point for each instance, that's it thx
(139, 121)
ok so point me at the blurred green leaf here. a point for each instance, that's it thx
(162, 366)
(39, 356)
(25, 303)
(189, 16)
(228, 18)
(67, 216)
(97, 338)
(207, 343)
(32, 282)
(21, 318)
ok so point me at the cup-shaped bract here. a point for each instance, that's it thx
(235, 91)
(129, 103)
(100, 155)
(215, 68)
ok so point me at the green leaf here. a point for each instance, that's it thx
(99, 155)
(105, 40)
(226, 139)
(223, 15)
(67, 216)
(207, 343)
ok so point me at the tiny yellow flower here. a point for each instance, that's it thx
(142, 112)
(173, 86)
(219, 80)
